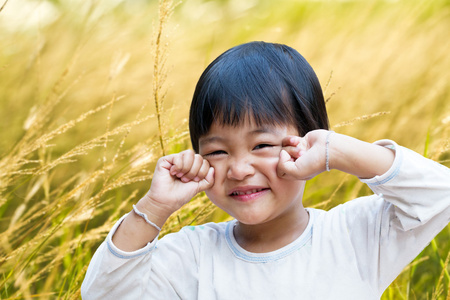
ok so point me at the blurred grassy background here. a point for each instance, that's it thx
(79, 135)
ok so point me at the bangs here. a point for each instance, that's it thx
(247, 94)
(268, 84)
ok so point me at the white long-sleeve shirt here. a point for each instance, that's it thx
(353, 251)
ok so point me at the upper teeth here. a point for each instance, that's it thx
(238, 193)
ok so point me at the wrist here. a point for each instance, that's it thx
(155, 211)
(340, 152)
(327, 151)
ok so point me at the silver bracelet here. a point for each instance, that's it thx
(327, 151)
(143, 215)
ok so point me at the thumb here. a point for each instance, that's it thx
(286, 165)
(207, 182)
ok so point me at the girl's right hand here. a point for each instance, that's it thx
(177, 179)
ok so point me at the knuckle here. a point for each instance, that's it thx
(206, 163)
(188, 151)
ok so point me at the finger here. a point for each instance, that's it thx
(294, 152)
(177, 164)
(203, 172)
(166, 162)
(188, 161)
(183, 163)
(192, 173)
(296, 146)
(303, 145)
(208, 181)
(286, 166)
(290, 140)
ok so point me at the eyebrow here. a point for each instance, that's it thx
(216, 138)
(264, 129)
(209, 140)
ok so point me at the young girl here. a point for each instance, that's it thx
(258, 127)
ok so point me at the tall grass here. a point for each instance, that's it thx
(93, 93)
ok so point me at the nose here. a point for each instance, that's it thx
(239, 169)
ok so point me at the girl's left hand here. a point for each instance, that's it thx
(303, 158)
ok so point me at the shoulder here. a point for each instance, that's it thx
(194, 240)
(364, 204)
(195, 234)
(362, 210)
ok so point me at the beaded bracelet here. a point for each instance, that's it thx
(143, 215)
(327, 151)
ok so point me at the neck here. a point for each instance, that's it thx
(274, 234)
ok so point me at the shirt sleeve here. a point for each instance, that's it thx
(418, 188)
(410, 207)
(152, 272)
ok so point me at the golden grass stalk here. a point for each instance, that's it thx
(3, 5)
(448, 292)
(325, 90)
(439, 289)
(360, 118)
(165, 10)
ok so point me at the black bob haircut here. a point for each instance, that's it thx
(263, 82)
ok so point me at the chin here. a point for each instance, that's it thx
(250, 220)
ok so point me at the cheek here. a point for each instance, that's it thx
(210, 195)
(269, 163)
(292, 188)
(215, 197)
(219, 178)
(219, 170)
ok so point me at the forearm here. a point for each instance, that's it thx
(177, 178)
(114, 273)
(134, 232)
(358, 158)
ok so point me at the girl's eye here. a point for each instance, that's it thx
(217, 152)
(261, 146)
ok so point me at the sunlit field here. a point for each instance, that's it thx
(92, 93)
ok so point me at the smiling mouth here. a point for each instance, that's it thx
(249, 192)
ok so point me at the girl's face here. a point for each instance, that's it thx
(246, 184)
